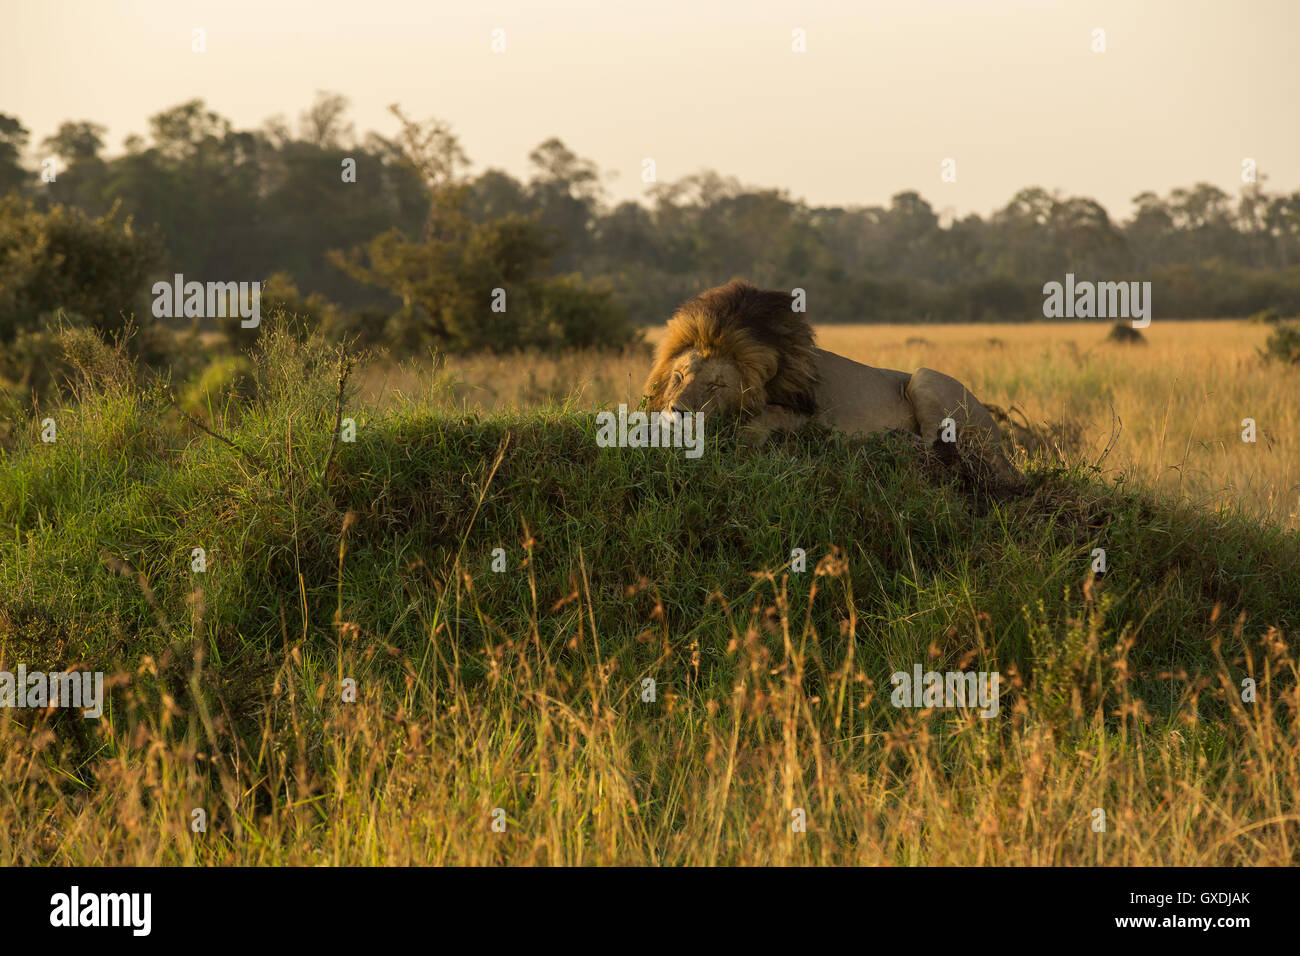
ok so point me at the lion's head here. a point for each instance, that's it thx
(734, 349)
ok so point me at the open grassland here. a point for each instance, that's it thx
(1171, 410)
(649, 680)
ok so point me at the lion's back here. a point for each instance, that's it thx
(859, 398)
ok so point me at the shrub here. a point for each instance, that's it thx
(226, 381)
(63, 260)
(282, 306)
(1283, 344)
(1123, 334)
(1269, 316)
(568, 313)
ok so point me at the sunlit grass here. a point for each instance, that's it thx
(1170, 412)
(525, 696)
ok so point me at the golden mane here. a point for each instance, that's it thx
(771, 344)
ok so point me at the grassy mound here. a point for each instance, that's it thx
(643, 672)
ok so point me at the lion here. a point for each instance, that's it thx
(741, 351)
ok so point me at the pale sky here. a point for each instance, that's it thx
(887, 89)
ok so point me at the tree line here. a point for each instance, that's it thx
(411, 250)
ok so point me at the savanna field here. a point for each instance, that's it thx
(649, 680)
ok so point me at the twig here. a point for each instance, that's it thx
(1116, 426)
(345, 369)
(248, 456)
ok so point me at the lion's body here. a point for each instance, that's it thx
(740, 350)
(858, 398)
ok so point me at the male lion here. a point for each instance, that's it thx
(740, 350)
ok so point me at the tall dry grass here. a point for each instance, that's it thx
(1171, 411)
(592, 773)
(470, 723)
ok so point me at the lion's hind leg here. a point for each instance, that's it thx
(946, 411)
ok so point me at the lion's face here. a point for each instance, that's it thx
(733, 350)
(697, 382)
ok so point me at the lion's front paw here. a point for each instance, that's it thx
(753, 435)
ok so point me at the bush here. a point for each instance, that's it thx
(282, 306)
(62, 260)
(1124, 334)
(1269, 316)
(225, 382)
(44, 363)
(568, 314)
(1283, 344)
(484, 286)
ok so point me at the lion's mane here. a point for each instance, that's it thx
(755, 328)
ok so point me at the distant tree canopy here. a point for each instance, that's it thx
(13, 140)
(482, 280)
(412, 252)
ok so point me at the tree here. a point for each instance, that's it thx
(495, 194)
(76, 142)
(13, 140)
(1082, 229)
(324, 123)
(476, 284)
(566, 191)
(81, 182)
(184, 130)
(62, 261)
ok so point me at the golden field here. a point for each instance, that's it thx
(1171, 410)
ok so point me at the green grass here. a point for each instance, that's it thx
(620, 563)
(126, 481)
